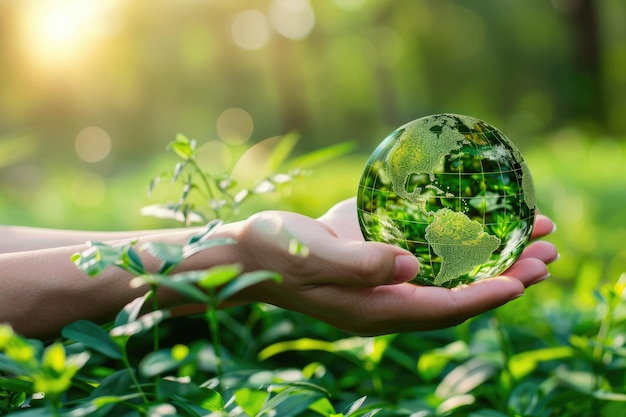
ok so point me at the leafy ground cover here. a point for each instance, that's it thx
(558, 351)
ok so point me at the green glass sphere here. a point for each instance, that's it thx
(455, 192)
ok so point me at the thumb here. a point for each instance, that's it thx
(367, 264)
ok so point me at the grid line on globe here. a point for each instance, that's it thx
(455, 192)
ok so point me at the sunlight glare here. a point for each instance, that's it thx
(58, 32)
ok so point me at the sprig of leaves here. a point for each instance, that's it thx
(222, 195)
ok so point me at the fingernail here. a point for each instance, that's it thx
(538, 280)
(406, 268)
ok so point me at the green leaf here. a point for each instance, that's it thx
(355, 348)
(190, 396)
(56, 372)
(246, 280)
(322, 155)
(142, 324)
(297, 248)
(168, 252)
(183, 283)
(94, 337)
(454, 402)
(370, 413)
(53, 359)
(183, 146)
(191, 292)
(100, 406)
(192, 249)
(250, 400)
(162, 410)
(351, 408)
(171, 254)
(219, 275)
(282, 150)
(323, 406)
(35, 412)
(173, 212)
(6, 335)
(16, 385)
(10, 366)
(178, 169)
(159, 362)
(291, 402)
(132, 261)
(212, 400)
(206, 232)
(155, 181)
(524, 363)
(431, 363)
(609, 396)
(524, 398)
(131, 311)
(98, 257)
(465, 377)
(21, 352)
(117, 384)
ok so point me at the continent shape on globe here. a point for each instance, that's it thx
(453, 190)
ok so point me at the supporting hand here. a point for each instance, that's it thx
(361, 286)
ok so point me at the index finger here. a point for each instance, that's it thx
(543, 226)
(408, 308)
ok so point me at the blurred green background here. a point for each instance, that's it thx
(91, 91)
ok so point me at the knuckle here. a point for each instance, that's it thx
(371, 265)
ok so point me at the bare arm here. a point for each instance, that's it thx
(42, 289)
(352, 284)
(20, 238)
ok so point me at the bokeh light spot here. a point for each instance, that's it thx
(92, 144)
(250, 29)
(234, 126)
(294, 19)
(215, 157)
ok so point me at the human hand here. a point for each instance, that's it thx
(361, 286)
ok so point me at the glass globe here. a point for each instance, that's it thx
(455, 192)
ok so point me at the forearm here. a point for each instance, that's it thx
(19, 238)
(42, 290)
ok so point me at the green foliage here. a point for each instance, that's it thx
(221, 196)
(558, 351)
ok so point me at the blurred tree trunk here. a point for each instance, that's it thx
(589, 100)
(387, 97)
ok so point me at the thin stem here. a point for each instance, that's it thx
(507, 379)
(156, 334)
(213, 322)
(132, 375)
(155, 329)
(207, 184)
(54, 406)
(599, 351)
